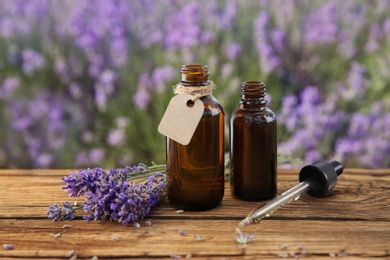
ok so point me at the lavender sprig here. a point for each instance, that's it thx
(66, 212)
(111, 195)
(243, 239)
(81, 181)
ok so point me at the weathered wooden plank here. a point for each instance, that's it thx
(35, 238)
(357, 197)
(353, 219)
(367, 196)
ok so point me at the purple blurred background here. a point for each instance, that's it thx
(85, 83)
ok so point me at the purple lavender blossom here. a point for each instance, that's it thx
(289, 114)
(141, 99)
(352, 23)
(386, 27)
(269, 60)
(221, 16)
(279, 39)
(229, 14)
(233, 50)
(321, 26)
(357, 84)
(161, 76)
(66, 212)
(45, 160)
(286, 13)
(374, 37)
(81, 181)
(243, 239)
(306, 120)
(119, 200)
(75, 90)
(8, 246)
(54, 212)
(207, 37)
(118, 51)
(367, 139)
(110, 196)
(116, 137)
(96, 155)
(183, 29)
(82, 158)
(227, 69)
(40, 125)
(32, 61)
(8, 87)
(147, 27)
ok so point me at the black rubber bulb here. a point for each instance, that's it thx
(322, 176)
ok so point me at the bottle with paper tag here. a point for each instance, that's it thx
(194, 126)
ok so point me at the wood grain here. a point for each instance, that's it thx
(352, 220)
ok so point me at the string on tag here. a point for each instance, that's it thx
(196, 91)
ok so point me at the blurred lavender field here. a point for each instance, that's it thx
(85, 83)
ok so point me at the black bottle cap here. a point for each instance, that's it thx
(322, 175)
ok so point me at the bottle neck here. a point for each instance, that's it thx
(253, 95)
(194, 75)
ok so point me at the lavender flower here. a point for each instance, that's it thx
(321, 25)
(95, 60)
(357, 84)
(32, 61)
(161, 76)
(183, 28)
(8, 87)
(110, 195)
(119, 200)
(142, 97)
(305, 119)
(116, 137)
(279, 39)
(269, 60)
(366, 137)
(233, 50)
(243, 239)
(8, 246)
(229, 14)
(353, 21)
(374, 37)
(66, 212)
(81, 181)
(96, 155)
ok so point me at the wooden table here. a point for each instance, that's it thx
(352, 222)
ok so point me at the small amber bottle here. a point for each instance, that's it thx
(196, 171)
(253, 145)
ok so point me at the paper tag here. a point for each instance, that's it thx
(181, 118)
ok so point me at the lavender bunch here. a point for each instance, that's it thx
(66, 212)
(111, 195)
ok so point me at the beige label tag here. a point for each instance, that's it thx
(181, 118)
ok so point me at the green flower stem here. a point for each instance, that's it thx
(78, 206)
(150, 170)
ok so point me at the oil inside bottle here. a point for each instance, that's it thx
(196, 171)
(253, 146)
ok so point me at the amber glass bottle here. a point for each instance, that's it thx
(253, 145)
(196, 171)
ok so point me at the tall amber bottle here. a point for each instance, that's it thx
(196, 171)
(253, 145)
